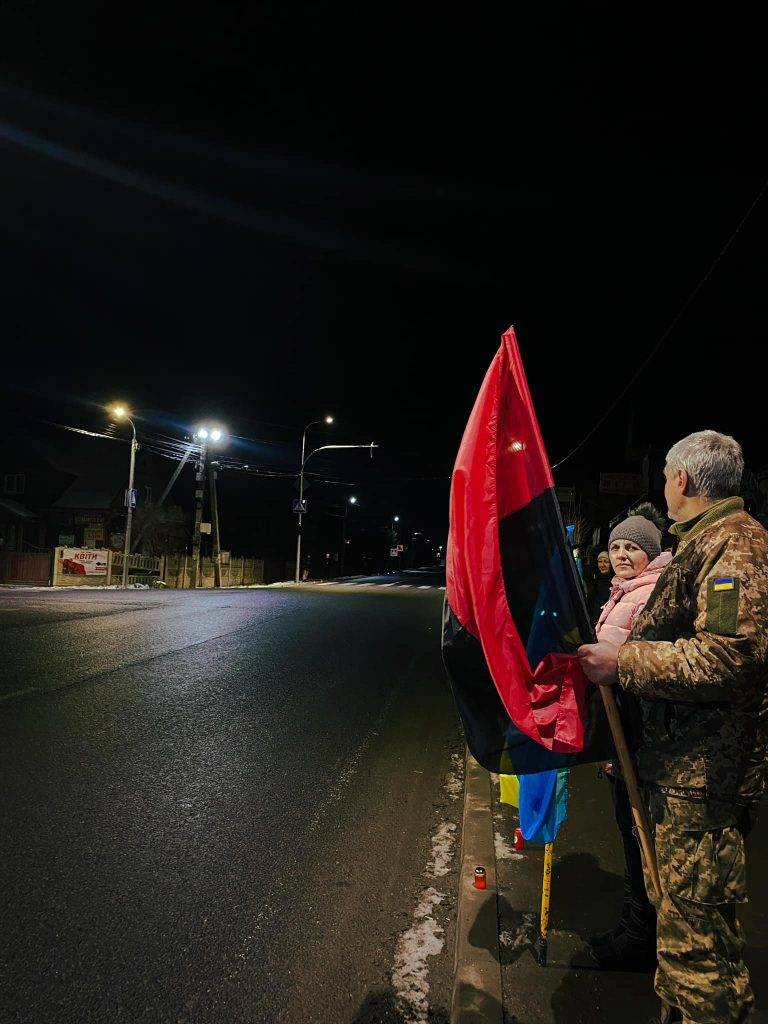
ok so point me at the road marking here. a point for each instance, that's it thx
(387, 584)
(425, 586)
(404, 586)
(441, 588)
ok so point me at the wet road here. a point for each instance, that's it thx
(221, 806)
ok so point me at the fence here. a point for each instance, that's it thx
(235, 572)
(79, 567)
(20, 567)
(141, 568)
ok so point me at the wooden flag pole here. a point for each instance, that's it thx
(639, 812)
(546, 892)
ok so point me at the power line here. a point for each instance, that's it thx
(670, 328)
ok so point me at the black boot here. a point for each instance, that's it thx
(627, 953)
(613, 934)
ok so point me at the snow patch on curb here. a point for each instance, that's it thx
(503, 850)
(409, 975)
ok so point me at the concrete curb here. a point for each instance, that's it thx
(477, 991)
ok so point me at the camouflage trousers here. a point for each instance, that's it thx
(700, 944)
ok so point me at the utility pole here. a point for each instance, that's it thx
(129, 509)
(215, 523)
(301, 498)
(343, 537)
(199, 497)
(327, 420)
(347, 502)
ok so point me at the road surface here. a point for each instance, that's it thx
(227, 806)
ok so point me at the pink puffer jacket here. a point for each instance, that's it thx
(627, 600)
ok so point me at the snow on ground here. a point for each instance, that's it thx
(409, 976)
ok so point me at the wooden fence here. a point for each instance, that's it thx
(30, 567)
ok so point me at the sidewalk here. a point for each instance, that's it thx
(586, 898)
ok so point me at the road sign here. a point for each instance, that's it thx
(130, 498)
(620, 483)
(300, 505)
(400, 547)
(205, 527)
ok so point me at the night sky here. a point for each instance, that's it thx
(266, 212)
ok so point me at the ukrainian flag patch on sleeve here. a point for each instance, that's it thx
(722, 605)
(724, 583)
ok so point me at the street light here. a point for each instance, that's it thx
(120, 412)
(351, 500)
(304, 461)
(203, 434)
(328, 420)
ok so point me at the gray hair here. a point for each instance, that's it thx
(714, 463)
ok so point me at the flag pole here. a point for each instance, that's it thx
(639, 812)
(546, 892)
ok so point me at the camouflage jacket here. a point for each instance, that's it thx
(697, 661)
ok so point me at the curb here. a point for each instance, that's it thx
(477, 992)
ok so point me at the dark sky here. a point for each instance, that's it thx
(264, 212)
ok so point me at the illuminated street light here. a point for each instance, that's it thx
(314, 423)
(206, 432)
(120, 412)
(396, 556)
(351, 500)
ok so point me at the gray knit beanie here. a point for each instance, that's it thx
(640, 531)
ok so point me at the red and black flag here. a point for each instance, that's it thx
(514, 610)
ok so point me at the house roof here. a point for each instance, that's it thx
(16, 509)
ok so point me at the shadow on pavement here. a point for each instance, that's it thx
(588, 898)
(381, 1007)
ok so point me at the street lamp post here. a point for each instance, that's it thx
(352, 500)
(396, 562)
(121, 413)
(203, 435)
(314, 423)
(322, 448)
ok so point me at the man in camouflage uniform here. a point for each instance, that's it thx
(697, 663)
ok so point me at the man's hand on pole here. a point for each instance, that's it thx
(600, 662)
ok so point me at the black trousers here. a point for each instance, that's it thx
(638, 917)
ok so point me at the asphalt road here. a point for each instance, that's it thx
(226, 806)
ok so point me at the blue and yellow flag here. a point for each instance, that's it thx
(542, 800)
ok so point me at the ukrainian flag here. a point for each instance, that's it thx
(542, 800)
(724, 583)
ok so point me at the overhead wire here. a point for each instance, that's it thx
(675, 320)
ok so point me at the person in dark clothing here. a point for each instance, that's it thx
(635, 554)
(599, 589)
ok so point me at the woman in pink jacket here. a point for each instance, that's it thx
(634, 548)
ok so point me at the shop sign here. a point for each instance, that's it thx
(84, 562)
